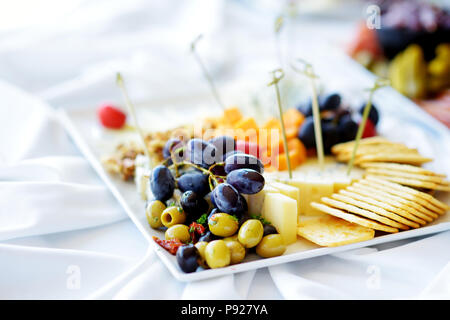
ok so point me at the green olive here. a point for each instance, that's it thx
(153, 212)
(234, 237)
(251, 233)
(237, 251)
(178, 231)
(201, 246)
(173, 215)
(271, 245)
(223, 224)
(217, 254)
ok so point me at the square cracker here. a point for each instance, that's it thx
(429, 201)
(415, 205)
(413, 182)
(362, 212)
(353, 218)
(401, 167)
(393, 157)
(329, 231)
(393, 203)
(410, 175)
(341, 147)
(368, 203)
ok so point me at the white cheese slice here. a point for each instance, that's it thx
(141, 175)
(312, 189)
(288, 190)
(314, 183)
(281, 211)
(255, 201)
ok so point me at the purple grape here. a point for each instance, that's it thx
(243, 161)
(171, 145)
(330, 102)
(194, 181)
(373, 113)
(162, 183)
(347, 128)
(218, 171)
(229, 200)
(330, 136)
(223, 144)
(306, 133)
(201, 153)
(246, 181)
(193, 204)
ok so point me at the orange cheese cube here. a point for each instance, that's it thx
(232, 115)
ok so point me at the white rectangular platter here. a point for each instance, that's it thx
(401, 121)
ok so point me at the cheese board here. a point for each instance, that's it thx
(282, 198)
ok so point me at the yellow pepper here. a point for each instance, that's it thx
(408, 72)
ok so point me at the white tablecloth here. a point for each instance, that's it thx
(63, 235)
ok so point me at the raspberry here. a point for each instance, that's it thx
(111, 117)
(369, 130)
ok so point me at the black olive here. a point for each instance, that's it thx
(187, 257)
(207, 237)
(269, 229)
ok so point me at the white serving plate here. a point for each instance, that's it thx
(405, 122)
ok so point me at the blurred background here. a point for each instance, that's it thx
(50, 47)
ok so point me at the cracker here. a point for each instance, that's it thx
(413, 182)
(362, 212)
(401, 167)
(409, 175)
(430, 202)
(353, 218)
(412, 201)
(407, 208)
(347, 154)
(379, 208)
(363, 142)
(393, 157)
(330, 231)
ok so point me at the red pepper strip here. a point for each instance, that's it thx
(196, 229)
(170, 245)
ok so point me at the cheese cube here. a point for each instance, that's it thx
(341, 182)
(312, 190)
(288, 190)
(255, 201)
(281, 211)
(141, 177)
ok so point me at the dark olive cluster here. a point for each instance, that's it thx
(212, 178)
(337, 122)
